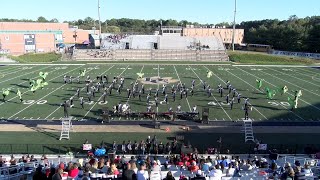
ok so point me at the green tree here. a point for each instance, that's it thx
(42, 19)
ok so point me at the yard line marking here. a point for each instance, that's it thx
(45, 95)
(24, 74)
(12, 87)
(263, 92)
(212, 96)
(8, 69)
(102, 95)
(276, 86)
(15, 71)
(291, 83)
(307, 69)
(296, 77)
(76, 93)
(48, 80)
(37, 101)
(38, 118)
(181, 83)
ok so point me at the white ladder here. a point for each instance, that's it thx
(65, 128)
(248, 130)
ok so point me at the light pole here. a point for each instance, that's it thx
(234, 23)
(99, 23)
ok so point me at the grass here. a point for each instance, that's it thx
(45, 104)
(262, 58)
(47, 143)
(35, 58)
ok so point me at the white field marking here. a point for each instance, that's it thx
(262, 92)
(48, 81)
(101, 96)
(44, 64)
(247, 89)
(291, 83)
(36, 101)
(214, 97)
(276, 86)
(241, 65)
(181, 83)
(8, 69)
(295, 77)
(308, 70)
(43, 96)
(26, 81)
(24, 74)
(75, 94)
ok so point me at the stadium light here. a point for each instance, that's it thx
(234, 23)
(99, 23)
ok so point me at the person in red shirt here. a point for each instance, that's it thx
(74, 171)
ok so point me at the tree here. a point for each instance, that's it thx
(54, 20)
(42, 19)
(112, 29)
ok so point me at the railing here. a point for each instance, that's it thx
(239, 148)
(16, 171)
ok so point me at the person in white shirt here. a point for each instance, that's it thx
(215, 173)
(142, 174)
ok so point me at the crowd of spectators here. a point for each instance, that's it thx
(99, 53)
(116, 38)
(190, 166)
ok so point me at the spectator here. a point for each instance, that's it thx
(58, 175)
(38, 175)
(74, 171)
(134, 167)
(169, 176)
(194, 168)
(155, 166)
(128, 173)
(142, 173)
(307, 170)
(113, 170)
(230, 171)
(215, 173)
(199, 176)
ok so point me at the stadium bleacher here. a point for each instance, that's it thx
(246, 171)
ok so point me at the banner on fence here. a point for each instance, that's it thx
(296, 54)
(87, 147)
(262, 147)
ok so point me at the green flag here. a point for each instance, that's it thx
(19, 94)
(32, 82)
(83, 72)
(5, 92)
(259, 83)
(140, 75)
(43, 75)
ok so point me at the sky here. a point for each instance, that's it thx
(202, 11)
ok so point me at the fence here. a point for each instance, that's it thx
(223, 148)
(144, 54)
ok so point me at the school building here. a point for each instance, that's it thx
(25, 37)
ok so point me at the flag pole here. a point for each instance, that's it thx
(234, 23)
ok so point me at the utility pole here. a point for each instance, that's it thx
(99, 24)
(234, 23)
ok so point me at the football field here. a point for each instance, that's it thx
(45, 104)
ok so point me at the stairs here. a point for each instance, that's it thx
(248, 130)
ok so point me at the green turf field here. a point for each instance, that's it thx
(44, 104)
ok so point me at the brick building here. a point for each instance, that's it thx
(23, 37)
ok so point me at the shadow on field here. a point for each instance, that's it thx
(19, 85)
